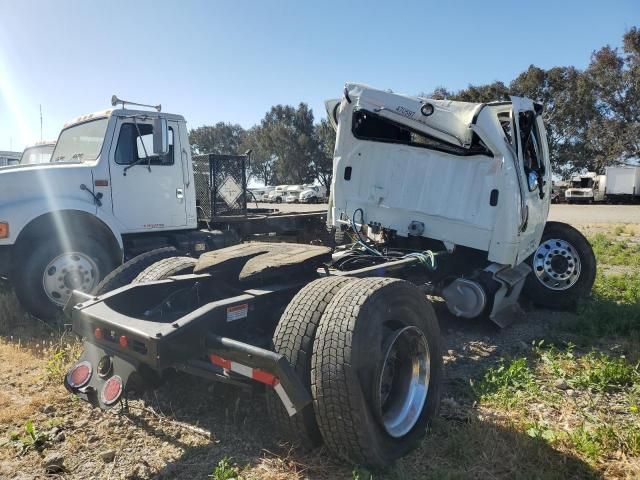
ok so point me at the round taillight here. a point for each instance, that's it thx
(79, 375)
(111, 390)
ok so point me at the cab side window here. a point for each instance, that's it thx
(134, 140)
(530, 141)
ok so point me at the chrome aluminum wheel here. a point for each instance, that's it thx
(67, 272)
(404, 380)
(556, 264)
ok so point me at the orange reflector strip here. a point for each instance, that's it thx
(4, 230)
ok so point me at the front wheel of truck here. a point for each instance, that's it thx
(564, 268)
(45, 273)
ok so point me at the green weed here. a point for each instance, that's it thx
(600, 372)
(224, 470)
(596, 442)
(360, 473)
(613, 310)
(507, 383)
(609, 251)
(32, 439)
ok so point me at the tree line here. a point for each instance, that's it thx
(287, 146)
(592, 118)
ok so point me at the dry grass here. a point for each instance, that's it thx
(514, 422)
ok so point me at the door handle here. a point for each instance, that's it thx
(179, 193)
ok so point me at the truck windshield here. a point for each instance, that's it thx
(81, 143)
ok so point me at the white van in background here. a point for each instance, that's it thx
(313, 194)
(277, 194)
(293, 193)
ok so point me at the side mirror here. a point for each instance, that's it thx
(160, 136)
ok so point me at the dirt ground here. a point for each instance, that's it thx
(187, 427)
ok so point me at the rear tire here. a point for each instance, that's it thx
(564, 252)
(293, 338)
(357, 385)
(128, 271)
(165, 268)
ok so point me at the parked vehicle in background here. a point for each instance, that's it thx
(9, 158)
(39, 152)
(293, 193)
(558, 190)
(313, 194)
(277, 194)
(623, 184)
(586, 188)
(258, 194)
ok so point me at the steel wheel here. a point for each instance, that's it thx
(556, 264)
(404, 380)
(67, 272)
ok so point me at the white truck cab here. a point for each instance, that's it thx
(586, 188)
(445, 170)
(116, 176)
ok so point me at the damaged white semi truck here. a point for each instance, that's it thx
(437, 198)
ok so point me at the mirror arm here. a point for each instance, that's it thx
(143, 146)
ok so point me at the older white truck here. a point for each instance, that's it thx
(586, 188)
(442, 198)
(121, 182)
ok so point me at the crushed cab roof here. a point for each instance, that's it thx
(450, 120)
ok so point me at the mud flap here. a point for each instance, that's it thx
(506, 309)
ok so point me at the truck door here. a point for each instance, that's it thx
(148, 192)
(530, 143)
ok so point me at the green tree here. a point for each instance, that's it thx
(221, 138)
(287, 134)
(263, 162)
(323, 160)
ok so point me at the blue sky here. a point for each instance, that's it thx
(231, 60)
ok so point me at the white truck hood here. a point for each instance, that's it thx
(47, 182)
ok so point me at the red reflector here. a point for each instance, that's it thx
(221, 362)
(101, 183)
(124, 343)
(98, 333)
(79, 375)
(264, 377)
(111, 390)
